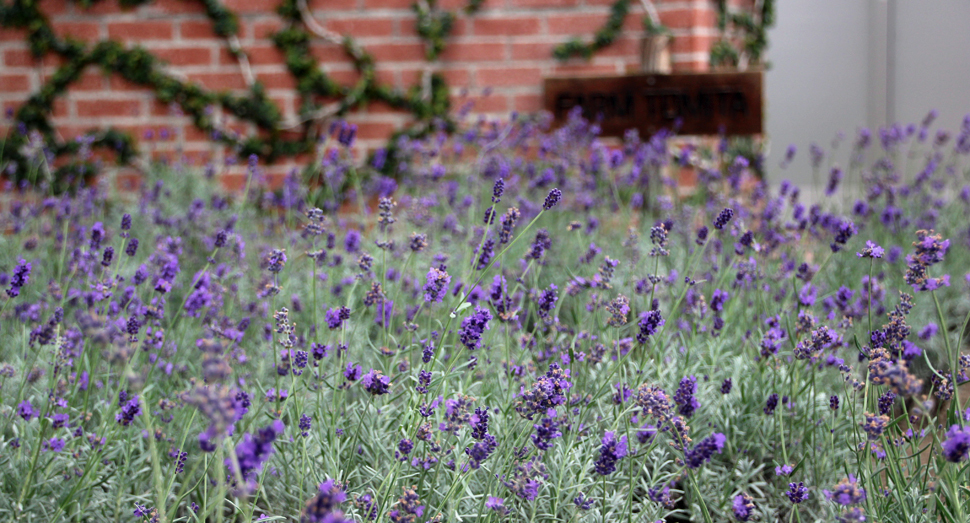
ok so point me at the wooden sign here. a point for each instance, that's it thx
(702, 103)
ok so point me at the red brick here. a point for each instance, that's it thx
(689, 18)
(281, 80)
(334, 5)
(185, 55)
(102, 8)
(233, 182)
(91, 80)
(690, 67)
(264, 28)
(487, 5)
(506, 26)
(284, 104)
(12, 35)
(107, 107)
(388, 4)
(128, 180)
(624, 46)
(532, 50)
(219, 81)
(330, 55)
(118, 83)
(378, 107)
(409, 27)
(258, 55)
(140, 30)
(10, 83)
(196, 29)
(53, 7)
(18, 58)
(194, 134)
(474, 52)
(584, 69)
(494, 103)
(692, 44)
(169, 7)
(527, 103)
(508, 76)
(397, 52)
(84, 31)
(367, 130)
(543, 3)
(572, 24)
(252, 6)
(348, 76)
(60, 108)
(360, 27)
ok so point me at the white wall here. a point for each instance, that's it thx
(839, 65)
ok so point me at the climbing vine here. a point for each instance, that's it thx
(744, 35)
(603, 38)
(275, 138)
(321, 98)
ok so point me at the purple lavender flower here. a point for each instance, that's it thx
(336, 317)
(726, 386)
(703, 451)
(846, 492)
(552, 199)
(128, 412)
(797, 492)
(611, 451)
(253, 451)
(26, 411)
(473, 327)
(376, 383)
(132, 248)
(436, 286)
(583, 502)
(685, 397)
(650, 322)
(353, 372)
(324, 507)
(496, 504)
(497, 190)
(407, 508)
(771, 404)
(109, 254)
(276, 260)
(21, 275)
(835, 176)
(479, 423)
(305, 425)
(957, 444)
(546, 301)
(743, 506)
(547, 393)
(723, 218)
(97, 235)
(546, 431)
(481, 450)
(871, 251)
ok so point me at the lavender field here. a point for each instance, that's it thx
(520, 324)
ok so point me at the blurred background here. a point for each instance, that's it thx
(840, 66)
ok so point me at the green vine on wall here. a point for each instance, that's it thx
(427, 103)
(744, 35)
(605, 36)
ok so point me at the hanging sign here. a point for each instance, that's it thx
(700, 103)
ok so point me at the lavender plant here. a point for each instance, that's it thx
(528, 326)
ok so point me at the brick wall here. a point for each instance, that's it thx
(505, 47)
